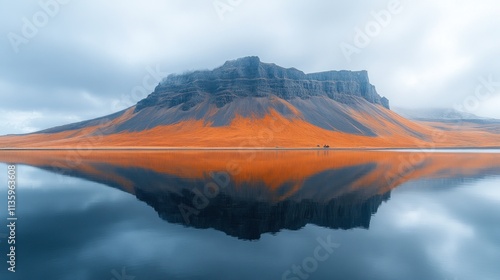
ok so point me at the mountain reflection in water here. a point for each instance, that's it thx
(248, 193)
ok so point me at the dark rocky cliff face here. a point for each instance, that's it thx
(248, 88)
(249, 77)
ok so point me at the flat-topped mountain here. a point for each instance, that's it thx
(249, 77)
(249, 88)
(248, 103)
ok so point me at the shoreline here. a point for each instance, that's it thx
(395, 149)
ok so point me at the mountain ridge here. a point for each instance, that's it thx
(244, 101)
(254, 77)
(250, 88)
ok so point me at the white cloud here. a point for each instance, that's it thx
(18, 122)
(490, 107)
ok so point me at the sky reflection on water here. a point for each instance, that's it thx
(439, 225)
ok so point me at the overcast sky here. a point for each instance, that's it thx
(73, 60)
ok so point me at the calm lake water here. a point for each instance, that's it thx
(254, 215)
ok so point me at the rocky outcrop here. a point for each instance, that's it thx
(249, 77)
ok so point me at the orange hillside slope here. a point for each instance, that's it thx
(271, 131)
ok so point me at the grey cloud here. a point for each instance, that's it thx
(429, 55)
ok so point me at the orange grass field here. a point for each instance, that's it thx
(271, 131)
